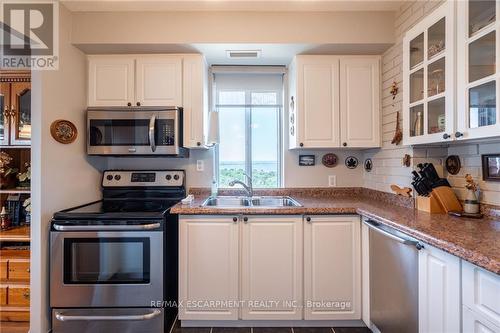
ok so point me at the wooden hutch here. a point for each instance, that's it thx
(15, 150)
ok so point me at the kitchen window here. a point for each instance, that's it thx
(250, 111)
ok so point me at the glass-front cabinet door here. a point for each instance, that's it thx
(428, 78)
(4, 113)
(478, 75)
(20, 113)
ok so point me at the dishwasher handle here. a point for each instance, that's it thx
(375, 226)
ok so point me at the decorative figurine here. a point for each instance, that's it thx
(398, 134)
(471, 204)
(394, 89)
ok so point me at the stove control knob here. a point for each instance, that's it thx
(118, 177)
(168, 177)
(109, 177)
(176, 177)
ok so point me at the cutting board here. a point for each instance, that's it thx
(447, 199)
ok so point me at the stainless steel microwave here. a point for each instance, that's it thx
(135, 131)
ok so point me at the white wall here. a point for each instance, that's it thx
(317, 176)
(233, 27)
(62, 175)
(387, 162)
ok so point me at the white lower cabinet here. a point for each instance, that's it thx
(257, 263)
(439, 291)
(271, 267)
(208, 267)
(332, 268)
(476, 323)
(481, 294)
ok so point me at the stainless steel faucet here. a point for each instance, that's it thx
(248, 188)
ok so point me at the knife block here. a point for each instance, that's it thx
(429, 204)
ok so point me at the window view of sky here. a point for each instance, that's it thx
(253, 116)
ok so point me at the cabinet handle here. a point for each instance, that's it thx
(235, 219)
(198, 143)
(446, 136)
(458, 134)
(26, 294)
(6, 112)
(344, 144)
(245, 219)
(12, 111)
(308, 219)
(129, 104)
(301, 144)
(138, 103)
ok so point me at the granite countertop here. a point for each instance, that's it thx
(476, 241)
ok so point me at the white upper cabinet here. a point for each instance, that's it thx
(154, 80)
(332, 268)
(429, 78)
(208, 267)
(271, 267)
(360, 102)
(326, 93)
(439, 291)
(314, 105)
(195, 100)
(111, 81)
(478, 56)
(158, 80)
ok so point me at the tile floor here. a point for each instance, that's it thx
(179, 329)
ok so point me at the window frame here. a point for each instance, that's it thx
(248, 122)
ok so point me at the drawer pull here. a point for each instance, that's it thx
(26, 294)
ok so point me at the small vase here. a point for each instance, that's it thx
(471, 204)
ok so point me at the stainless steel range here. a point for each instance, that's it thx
(111, 260)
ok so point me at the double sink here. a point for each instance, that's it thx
(256, 201)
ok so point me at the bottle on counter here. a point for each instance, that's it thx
(5, 221)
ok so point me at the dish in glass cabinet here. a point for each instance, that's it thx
(63, 131)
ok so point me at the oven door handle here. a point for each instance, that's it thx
(148, 316)
(152, 124)
(148, 226)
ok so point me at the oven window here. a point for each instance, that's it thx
(119, 132)
(106, 260)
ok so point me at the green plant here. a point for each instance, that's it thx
(261, 178)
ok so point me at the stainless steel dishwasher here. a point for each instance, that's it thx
(393, 279)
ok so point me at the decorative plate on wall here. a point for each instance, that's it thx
(351, 162)
(63, 131)
(453, 164)
(368, 165)
(329, 160)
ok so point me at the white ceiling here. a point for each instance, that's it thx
(270, 54)
(232, 5)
